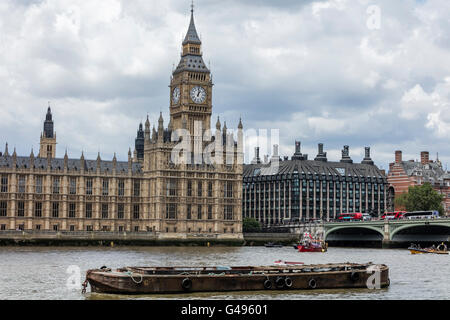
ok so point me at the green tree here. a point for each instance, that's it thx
(421, 198)
(251, 225)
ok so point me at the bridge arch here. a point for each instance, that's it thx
(378, 231)
(425, 232)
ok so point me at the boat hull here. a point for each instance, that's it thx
(423, 251)
(310, 249)
(283, 279)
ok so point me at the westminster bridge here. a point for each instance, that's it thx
(361, 233)
(388, 232)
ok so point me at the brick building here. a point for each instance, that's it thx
(405, 174)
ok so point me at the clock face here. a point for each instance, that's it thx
(198, 94)
(176, 95)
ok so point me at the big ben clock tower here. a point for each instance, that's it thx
(194, 197)
(191, 85)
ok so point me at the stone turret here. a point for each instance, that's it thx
(130, 162)
(154, 134)
(240, 142)
(99, 161)
(218, 125)
(160, 129)
(224, 133)
(66, 161)
(31, 159)
(82, 162)
(49, 162)
(114, 162)
(14, 156)
(147, 130)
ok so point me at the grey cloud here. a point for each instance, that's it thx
(274, 63)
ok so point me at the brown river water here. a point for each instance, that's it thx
(43, 272)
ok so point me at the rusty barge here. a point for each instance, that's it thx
(176, 280)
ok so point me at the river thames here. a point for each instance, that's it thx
(43, 272)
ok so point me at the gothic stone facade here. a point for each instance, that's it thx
(304, 190)
(149, 193)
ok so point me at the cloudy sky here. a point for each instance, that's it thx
(341, 72)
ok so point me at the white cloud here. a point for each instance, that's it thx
(440, 123)
(434, 107)
(415, 102)
(326, 125)
(317, 7)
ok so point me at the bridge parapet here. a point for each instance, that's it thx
(387, 228)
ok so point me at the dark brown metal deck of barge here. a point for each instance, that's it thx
(174, 280)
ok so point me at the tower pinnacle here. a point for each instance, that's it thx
(48, 137)
(192, 35)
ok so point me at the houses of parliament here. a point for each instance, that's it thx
(149, 192)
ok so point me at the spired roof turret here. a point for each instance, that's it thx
(191, 57)
(192, 35)
(139, 142)
(48, 124)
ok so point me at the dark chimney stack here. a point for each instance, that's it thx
(425, 157)
(398, 156)
(321, 156)
(256, 160)
(346, 155)
(298, 154)
(367, 159)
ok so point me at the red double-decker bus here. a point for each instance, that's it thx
(350, 216)
(393, 215)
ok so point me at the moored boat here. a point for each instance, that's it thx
(173, 280)
(416, 249)
(312, 247)
(309, 244)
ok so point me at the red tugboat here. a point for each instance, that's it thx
(309, 244)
